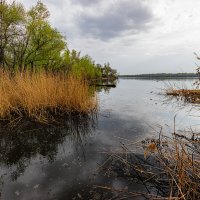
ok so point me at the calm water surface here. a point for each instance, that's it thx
(62, 162)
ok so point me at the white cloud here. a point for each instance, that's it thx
(166, 46)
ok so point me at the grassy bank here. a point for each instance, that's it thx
(43, 96)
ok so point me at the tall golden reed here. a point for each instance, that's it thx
(38, 95)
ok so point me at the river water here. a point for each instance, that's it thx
(63, 162)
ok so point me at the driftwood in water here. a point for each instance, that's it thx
(105, 85)
(104, 82)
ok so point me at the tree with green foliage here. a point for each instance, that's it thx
(108, 72)
(45, 42)
(29, 42)
(11, 18)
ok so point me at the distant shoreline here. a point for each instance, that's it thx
(162, 76)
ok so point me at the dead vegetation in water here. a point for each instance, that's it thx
(188, 95)
(169, 168)
(42, 96)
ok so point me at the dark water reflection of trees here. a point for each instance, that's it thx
(18, 145)
(100, 88)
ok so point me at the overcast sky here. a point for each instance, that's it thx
(135, 36)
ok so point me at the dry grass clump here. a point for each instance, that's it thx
(184, 92)
(192, 96)
(179, 159)
(169, 168)
(42, 96)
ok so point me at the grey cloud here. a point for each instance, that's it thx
(124, 16)
(85, 2)
(57, 2)
(30, 3)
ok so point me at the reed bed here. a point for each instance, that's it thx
(189, 95)
(42, 96)
(169, 168)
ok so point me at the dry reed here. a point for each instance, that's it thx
(169, 169)
(191, 96)
(43, 96)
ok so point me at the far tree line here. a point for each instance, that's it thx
(163, 75)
